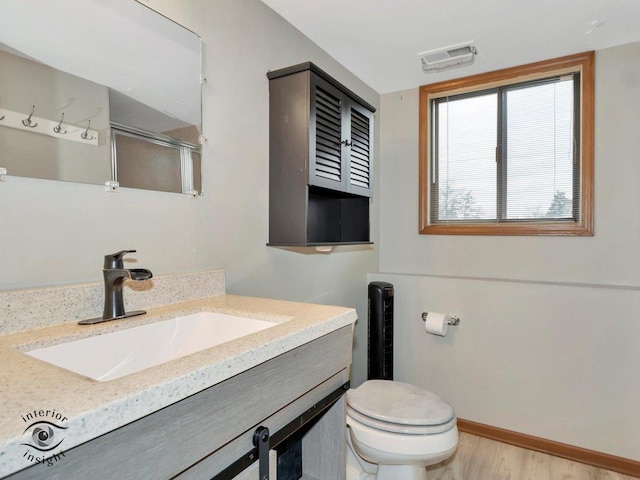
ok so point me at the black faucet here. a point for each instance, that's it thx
(115, 275)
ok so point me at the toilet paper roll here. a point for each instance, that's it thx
(437, 323)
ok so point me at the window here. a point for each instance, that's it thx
(509, 152)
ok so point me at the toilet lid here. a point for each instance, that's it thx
(353, 415)
(399, 403)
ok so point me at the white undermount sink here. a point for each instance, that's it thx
(114, 355)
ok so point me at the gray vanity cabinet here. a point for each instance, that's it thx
(201, 436)
(320, 159)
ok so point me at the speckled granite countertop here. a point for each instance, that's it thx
(93, 408)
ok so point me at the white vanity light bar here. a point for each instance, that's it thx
(43, 126)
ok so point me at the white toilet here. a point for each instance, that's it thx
(394, 430)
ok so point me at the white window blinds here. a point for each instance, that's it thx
(507, 154)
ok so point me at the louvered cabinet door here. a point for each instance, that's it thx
(360, 150)
(327, 137)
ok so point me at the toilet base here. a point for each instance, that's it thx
(405, 472)
(355, 474)
(385, 472)
(359, 469)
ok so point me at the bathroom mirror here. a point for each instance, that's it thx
(92, 91)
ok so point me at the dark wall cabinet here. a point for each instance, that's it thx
(320, 160)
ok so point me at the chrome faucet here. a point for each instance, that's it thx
(115, 275)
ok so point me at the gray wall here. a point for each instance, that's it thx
(548, 343)
(57, 233)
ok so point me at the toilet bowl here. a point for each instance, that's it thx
(394, 430)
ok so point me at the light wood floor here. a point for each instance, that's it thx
(483, 459)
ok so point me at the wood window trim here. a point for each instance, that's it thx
(585, 62)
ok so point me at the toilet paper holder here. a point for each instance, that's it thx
(453, 320)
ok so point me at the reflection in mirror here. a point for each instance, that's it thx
(69, 70)
(161, 162)
(37, 151)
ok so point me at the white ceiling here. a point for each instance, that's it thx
(379, 40)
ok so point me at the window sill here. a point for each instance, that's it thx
(533, 229)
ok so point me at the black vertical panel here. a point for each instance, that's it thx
(380, 344)
(288, 150)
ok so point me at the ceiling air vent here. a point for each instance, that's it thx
(448, 57)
